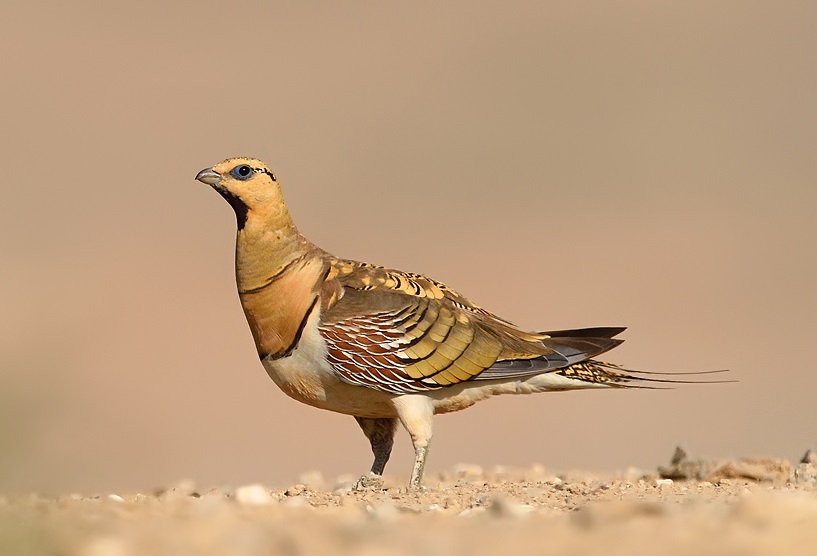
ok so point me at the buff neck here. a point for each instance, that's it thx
(265, 245)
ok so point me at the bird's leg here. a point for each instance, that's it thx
(415, 413)
(380, 433)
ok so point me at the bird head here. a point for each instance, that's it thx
(247, 184)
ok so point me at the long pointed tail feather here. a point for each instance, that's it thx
(615, 376)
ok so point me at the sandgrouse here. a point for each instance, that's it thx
(380, 344)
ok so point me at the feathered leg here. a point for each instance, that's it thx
(415, 413)
(380, 433)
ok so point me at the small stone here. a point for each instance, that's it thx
(502, 506)
(809, 457)
(663, 482)
(115, 498)
(370, 482)
(295, 490)
(805, 473)
(253, 495)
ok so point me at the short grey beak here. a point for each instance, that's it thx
(209, 176)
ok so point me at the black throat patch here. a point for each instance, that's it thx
(238, 206)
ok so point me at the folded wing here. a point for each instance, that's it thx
(402, 333)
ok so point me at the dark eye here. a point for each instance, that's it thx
(242, 172)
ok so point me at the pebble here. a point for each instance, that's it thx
(663, 482)
(253, 495)
(805, 473)
(502, 506)
(296, 490)
(115, 498)
(809, 457)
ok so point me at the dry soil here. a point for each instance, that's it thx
(464, 511)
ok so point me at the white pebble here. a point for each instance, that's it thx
(663, 482)
(253, 495)
(115, 498)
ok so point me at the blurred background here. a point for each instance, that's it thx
(562, 164)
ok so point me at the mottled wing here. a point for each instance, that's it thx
(400, 333)
(404, 343)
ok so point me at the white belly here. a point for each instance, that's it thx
(307, 377)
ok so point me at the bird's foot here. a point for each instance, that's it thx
(418, 488)
(369, 482)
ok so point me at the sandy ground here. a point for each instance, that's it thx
(771, 509)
